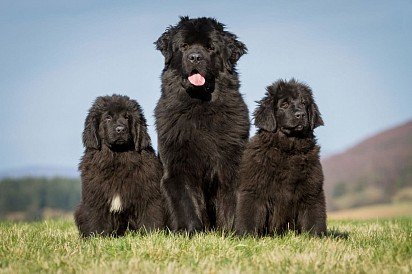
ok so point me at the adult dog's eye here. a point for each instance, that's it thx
(284, 105)
(184, 46)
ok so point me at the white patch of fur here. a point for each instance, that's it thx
(116, 205)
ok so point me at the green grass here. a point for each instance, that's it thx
(379, 246)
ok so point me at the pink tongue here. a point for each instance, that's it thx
(197, 79)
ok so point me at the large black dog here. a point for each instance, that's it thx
(119, 170)
(202, 123)
(281, 183)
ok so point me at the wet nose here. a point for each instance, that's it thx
(120, 129)
(195, 57)
(300, 114)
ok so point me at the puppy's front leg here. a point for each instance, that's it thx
(312, 216)
(251, 213)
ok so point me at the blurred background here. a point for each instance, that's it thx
(57, 56)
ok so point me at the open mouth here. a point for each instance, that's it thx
(299, 127)
(196, 79)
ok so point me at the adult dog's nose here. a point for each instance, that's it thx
(299, 114)
(195, 57)
(120, 129)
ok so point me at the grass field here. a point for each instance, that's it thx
(378, 246)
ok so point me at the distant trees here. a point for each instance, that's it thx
(339, 190)
(370, 190)
(28, 198)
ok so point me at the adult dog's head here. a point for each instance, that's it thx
(288, 107)
(116, 122)
(198, 50)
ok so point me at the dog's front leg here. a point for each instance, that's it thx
(184, 202)
(312, 216)
(225, 201)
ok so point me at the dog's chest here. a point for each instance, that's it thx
(291, 177)
(116, 204)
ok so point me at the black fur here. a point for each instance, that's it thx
(281, 179)
(118, 160)
(202, 130)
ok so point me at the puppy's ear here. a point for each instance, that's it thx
(163, 44)
(265, 114)
(236, 50)
(141, 137)
(314, 116)
(91, 137)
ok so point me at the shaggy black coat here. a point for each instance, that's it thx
(281, 179)
(120, 172)
(202, 126)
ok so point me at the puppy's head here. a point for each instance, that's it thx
(116, 122)
(288, 107)
(198, 49)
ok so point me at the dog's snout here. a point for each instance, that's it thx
(120, 129)
(299, 114)
(195, 57)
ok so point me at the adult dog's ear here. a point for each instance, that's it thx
(314, 116)
(265, 114)
(235, 50)
(163, 44)
(91, 137)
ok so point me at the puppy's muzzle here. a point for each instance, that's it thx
(300, 114)
(120, 129)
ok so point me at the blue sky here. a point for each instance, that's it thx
(57, 56)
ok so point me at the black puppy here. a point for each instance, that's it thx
(119, 170)
(281, 183)
(202, 123)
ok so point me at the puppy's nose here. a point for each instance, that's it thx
(195, 57)
(120, 129)
(299, 114)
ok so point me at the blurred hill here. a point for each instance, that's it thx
(377, 170)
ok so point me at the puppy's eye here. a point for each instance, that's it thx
(126, 117)
(284, 105)
(108, 118)
(184, 46)
(210, 48)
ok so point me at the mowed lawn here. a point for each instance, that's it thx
(375, 246)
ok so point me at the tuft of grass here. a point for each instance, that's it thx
(374, 246)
